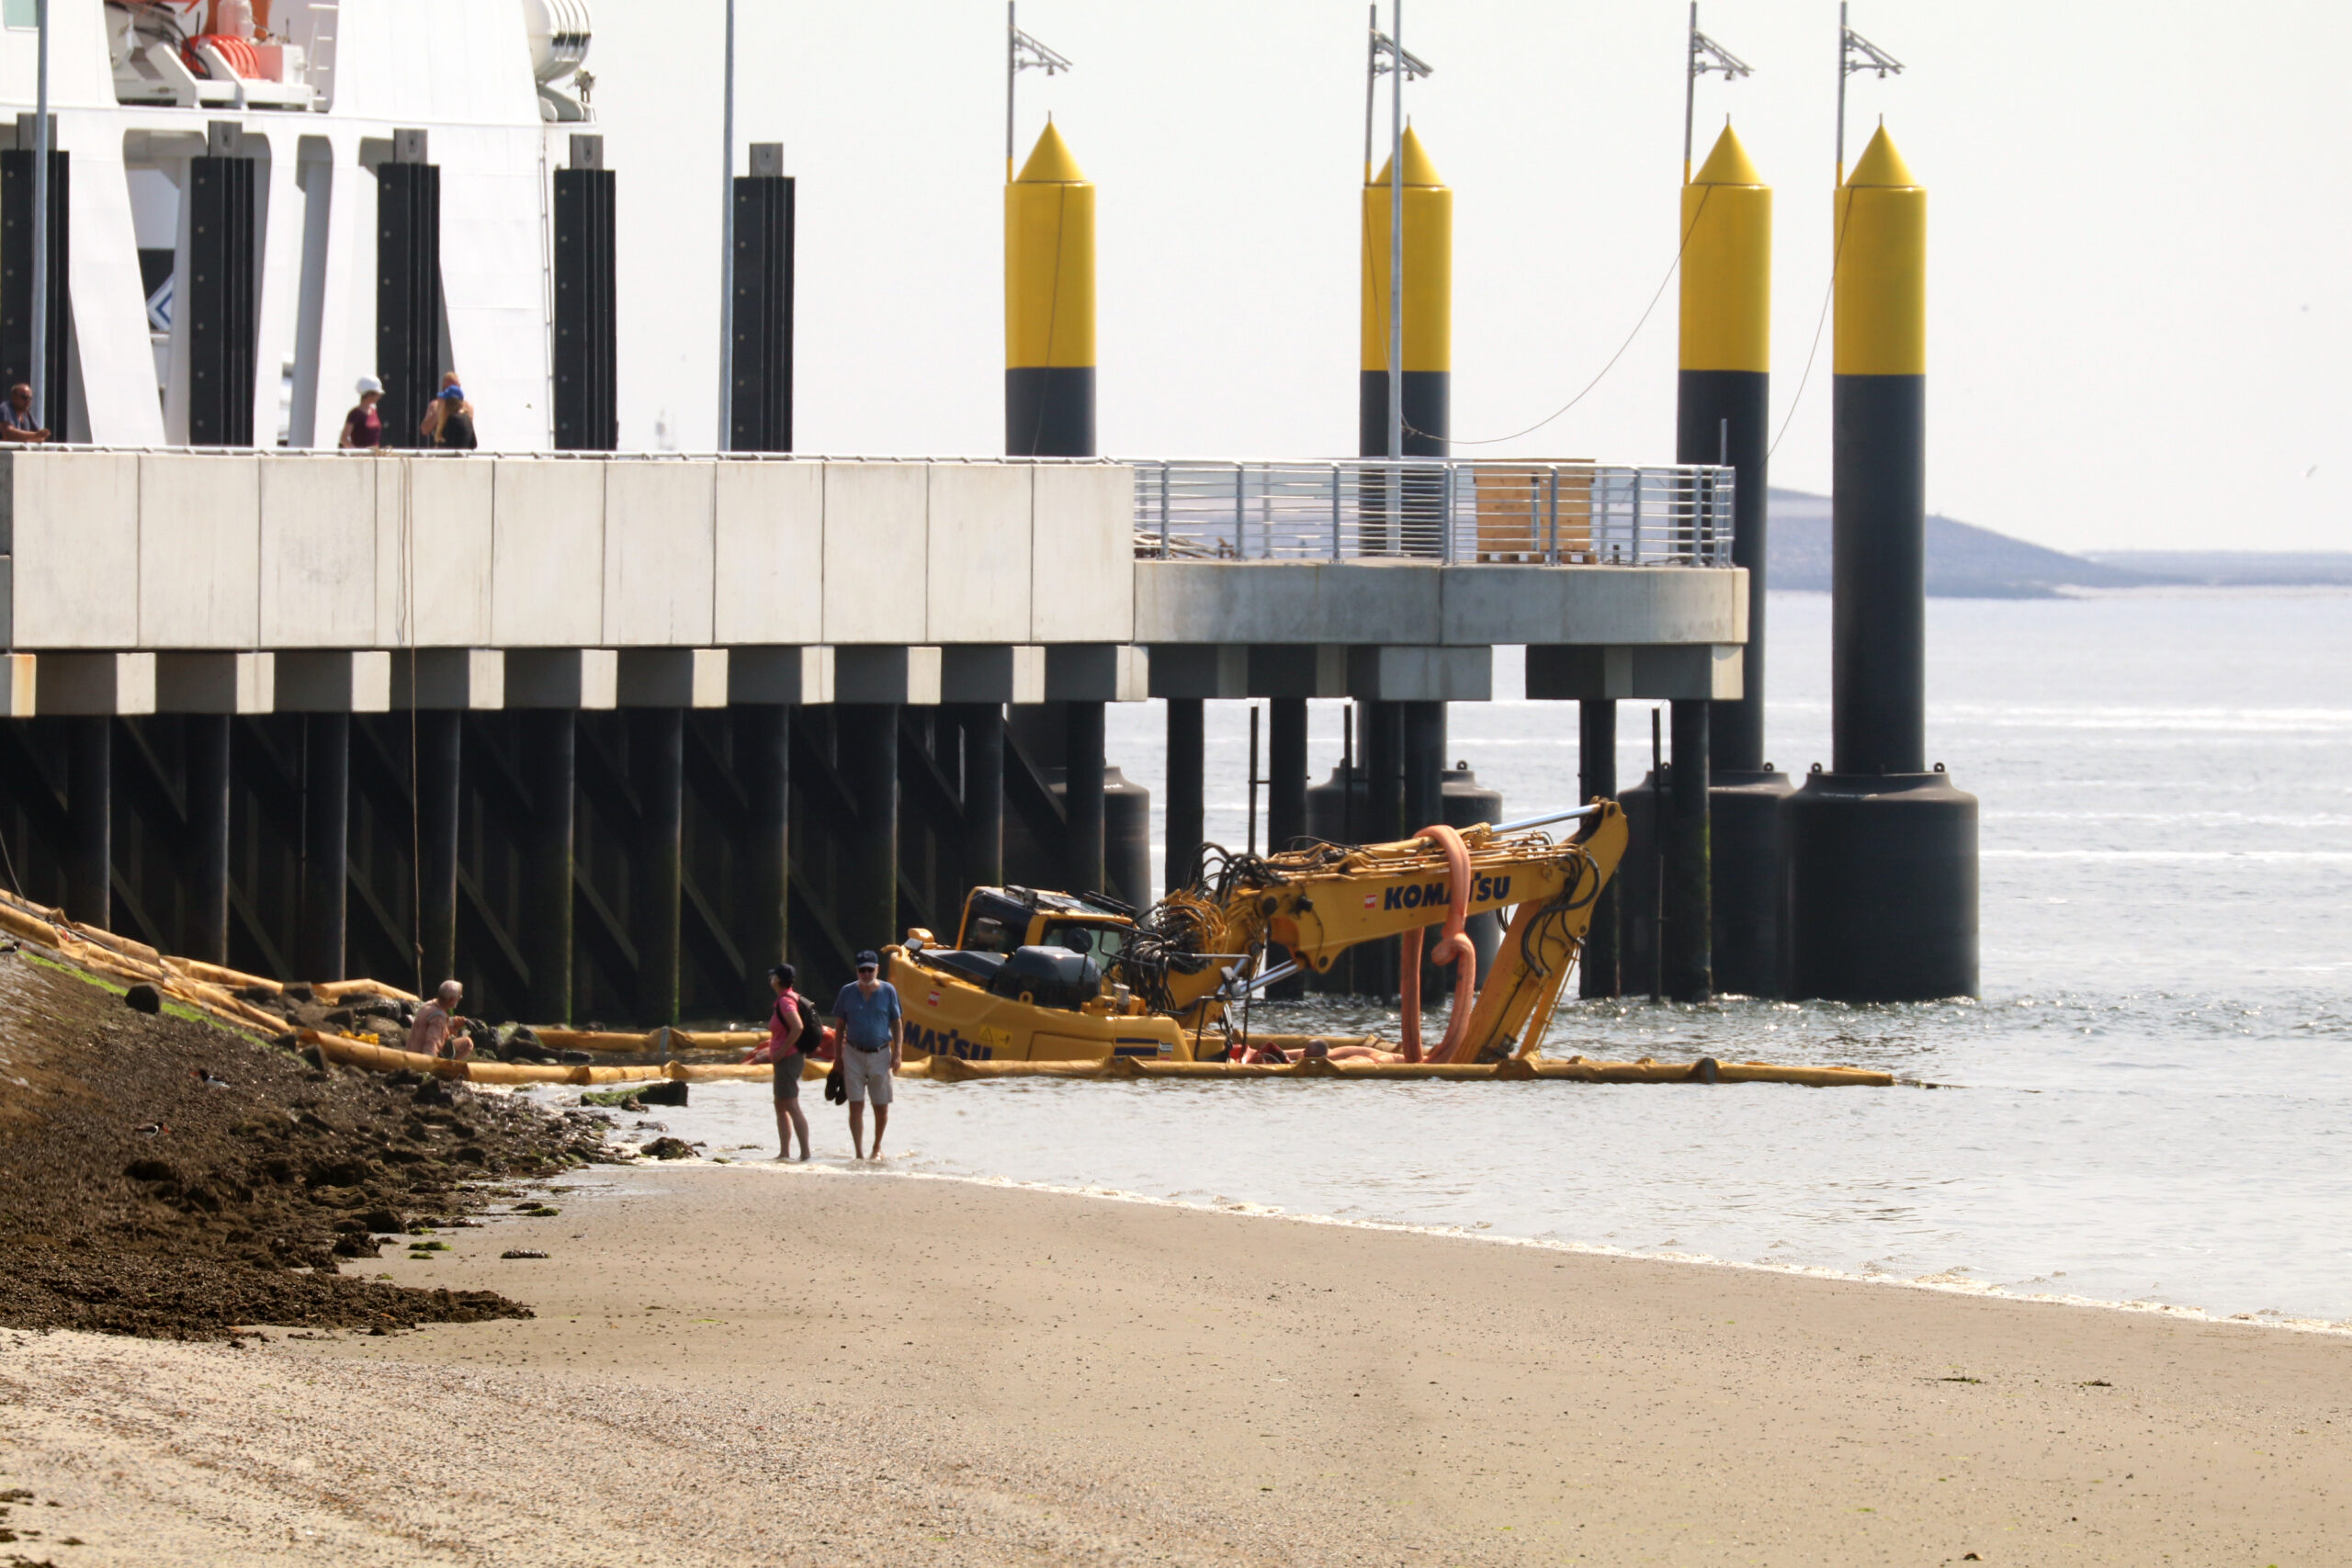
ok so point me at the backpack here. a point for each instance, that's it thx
(812, 1031)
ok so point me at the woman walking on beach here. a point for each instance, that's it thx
(786, 1055)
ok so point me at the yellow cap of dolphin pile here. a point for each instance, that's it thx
(1727, 264)
(1428, 264)
(1049, 260)
(1881, 239)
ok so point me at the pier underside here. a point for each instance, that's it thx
(630, 867)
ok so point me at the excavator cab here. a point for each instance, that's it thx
(999, 919)
(1030, 978)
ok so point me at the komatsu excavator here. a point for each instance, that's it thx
(1052, 977)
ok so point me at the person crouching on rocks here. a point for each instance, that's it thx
(435, 1020)
(785, 1053)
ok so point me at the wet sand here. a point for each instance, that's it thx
(761, 1366)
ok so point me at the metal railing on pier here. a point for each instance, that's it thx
(1502, 511)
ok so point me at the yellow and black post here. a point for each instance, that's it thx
(1404, 741)
(1428, 309)
(1882, 850)
(1049, 305)
(1721, 416)
(1049, 413)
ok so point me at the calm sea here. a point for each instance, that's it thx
(2151, 1102)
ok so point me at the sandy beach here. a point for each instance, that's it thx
(759, 1366)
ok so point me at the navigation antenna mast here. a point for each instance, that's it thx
(1706, 55)
(1021, 52)
(1856, 52)
(1388, 53)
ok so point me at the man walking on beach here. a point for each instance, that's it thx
(873, 1033)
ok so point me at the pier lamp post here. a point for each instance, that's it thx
(42, 283)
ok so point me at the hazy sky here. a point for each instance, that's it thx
(2138, 230)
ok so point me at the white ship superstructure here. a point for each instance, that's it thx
(312, 93)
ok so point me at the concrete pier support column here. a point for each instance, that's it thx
(982, 727)
(1187, 815)
(1596, 776)
(1689, 915)
(867, 753)
(1383, 731)
(1082, 754)
(1424, 765)
(763, 733)
(1285, 771)
(326, 842)
(205, 740)
(657, 776)
(548, 741)
(89, 819)
(437, 784)
(1382, 728)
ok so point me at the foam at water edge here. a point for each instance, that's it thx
(1947, 1284)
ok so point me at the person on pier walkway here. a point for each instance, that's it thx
(17, 421)
(363, 427)
(873, 1033)
(787, 1036)
(434, 1022)
(449, 421)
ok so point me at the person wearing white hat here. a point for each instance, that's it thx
(363, 426)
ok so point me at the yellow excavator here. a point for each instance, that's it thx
(1036, 975)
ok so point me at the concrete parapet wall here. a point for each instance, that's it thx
(976, 575)
(548, 553)
(769, 552)
(207, 551)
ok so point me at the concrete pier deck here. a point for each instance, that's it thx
(135, 583)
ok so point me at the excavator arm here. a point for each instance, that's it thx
(1319, 902)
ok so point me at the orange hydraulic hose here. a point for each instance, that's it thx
(1454, 946)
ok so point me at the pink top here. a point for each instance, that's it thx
(780, 1039)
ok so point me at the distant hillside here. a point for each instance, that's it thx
(2237, 569)
(1963, 561)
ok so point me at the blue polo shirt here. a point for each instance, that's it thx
(868, 1019)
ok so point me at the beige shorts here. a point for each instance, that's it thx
(866, 1075)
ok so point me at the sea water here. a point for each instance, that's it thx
(2149, 1103)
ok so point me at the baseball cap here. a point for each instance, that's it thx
(869, 960)
(370, 384)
